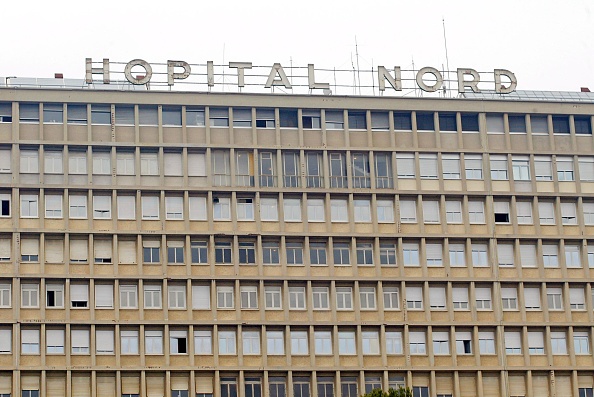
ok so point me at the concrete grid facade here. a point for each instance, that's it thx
(181, 244)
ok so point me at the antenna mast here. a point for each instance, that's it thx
(358, 69)
(445, 43)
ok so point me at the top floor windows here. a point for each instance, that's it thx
(334, 120)
(219, 117)
(311, 119)
(288, 118)
(402, 121)
(425, 121)
(357, 120)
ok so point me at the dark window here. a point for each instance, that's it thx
(179, 393)
(247, 252)
(582, 125)
(100, 114)
(501, 218)
(288, 118)
(172, 115)
(447, 122)
(5, 204)
(561, 124)
(30, 393)
(585, 392)
(420, 391)
(402, 121)
(517, 123)
(5, 114)
(301, 387)
(425, 121)
(357, 120)
(470, 122)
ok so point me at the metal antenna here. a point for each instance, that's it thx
(223, 67)
(358, 69)
(445, 43)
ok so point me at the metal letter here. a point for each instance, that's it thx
(240, 66)
(473, 84)
(147, 69)
(171, 75)
(277, 69)
(91, 71)
(434, 72)
(500, 88)
(312, 79)
(383, 75)
(210, 73)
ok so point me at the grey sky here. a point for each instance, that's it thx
(547, 44)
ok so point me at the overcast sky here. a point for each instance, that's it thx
(548, 44)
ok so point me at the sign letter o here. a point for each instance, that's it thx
(138, 62)
(429, 88)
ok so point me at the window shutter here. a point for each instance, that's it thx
(127, 251)
(5, 160)
(126, 207)
(106, 386)
(586, 165)
(204, 385)
(509, 293)
(104, 295)
(531, 297)
(150, 207)
(79, 250)
(200, 297)
(173, 163)
(408, 208)
(546, 209)
(30, 382)
(460, 294)
(179, 383)
(444, 384)
(482, 293)
(81, 385)
(584, 381)
(406, 165)
(105, 339)
(5, 384)
(5, 248)
(102, 249)
(197, 208)
(54, 251)
(501, 207)
(79, 292)
(505, 254)
(550, 249)
(6, 344)
(576, 296)
(428, 165)
(148, 115)
(467, 385)
(433, 251)
(380, 121)
(524, 208)
(528, 255)
(80, 338)
(29, 246)
(494, 123)
(30, 336)
(564, 164)
(540, 385)
(196, 164)
(491, 386)
(513, 339)
(124, 115)
(450, 164)
(535, 339)
(414, 293)
(416, 337)
(563, 385)
(437, 296)
(155, 385)
(430, 211)
(568, 211)
(130, 384)
(476, 206)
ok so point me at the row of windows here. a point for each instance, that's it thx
(301, 341)
(284, 168)
(296, 296)
(148, 115)
(317, 251)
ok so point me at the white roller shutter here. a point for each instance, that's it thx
(29, 246)
(103, 296)
(468, 385)
(179, 383)
(5, 248)
(5, 160)
(505, 254)
(460, 294)
(532, 298)
(437, 296)
(172, 164)
(201, 297)
(196, 164)
(106, 386)
(434, 252)
(540, 386)
(585, 381)
(405, 163)
(586, 165)
(414, 293)
(54, 251)
(204, 384)
(104, 339)
(428, 165)
(5, 384)
(5, 342)
(444, 384)
(563, 385)
(103, 250)
(516, 385)
(155, 385)
(408, 209)
(535, 339)
(127, 251)
(577, 297)
(79, 250)
(81, 385)
(56, 386)
(450, 165)
(491, 385)
(130, 384)
(79, 292)
(29, 382)
(528, 255)
(430, 211)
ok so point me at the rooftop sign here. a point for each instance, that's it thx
(243, 74)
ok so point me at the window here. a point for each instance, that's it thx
(348, 386)
(543, 168)
(273, 297)
(393, 342)
(128, 296)
(565, 169)
(53, 163)
(524, 212)
(79, 296)
(320, 298)
(428, 166)
(267, 169)
(425, 121)
(572, 256)
(405, 164)
(338, 173)
(245, 209)
(129, 342)
(479, 255)
(383, 171)
(360, 170)
(199, 251)
(581, 342)
(249, 297)
(457, 255)
(175, 252)
(251, 342)
(77, 162)
(228, 387)
(417, 342)
(176, 296)
(532, 298)
(554, 298)
(364, 254)
(362, 210)
(101, 162)
(476, 211)
(483, 298)
(29, 295)
(577, 299)
(410, 254)
(288, 118)
(501, 211)
(323, 342)
(370, 342)
(178, 342)
(367, 298)
(473, 164)
(29, 206)
(387, 254)
(275, 344)
(509, 298)
(270, 252)
(195, 117)
(172, 116)
(391, 298)
(299, 345)
(5, 295)
(314, 169)
(197, 208)
(338, 210)
(513, 342)
(104, 296)
(539, 124)
(441, 343)
(151, 251)
(269, 209)
(5, 205)
(174, 208)
(414, 298)
(334, 120)
(126, 207)
(385, 211)
(227, 343)
(517, 123)
(54, 339)
(201, 297)
(588, 209)
(153, 342)
(499, 167)
(451, 166)
(535, 343)
(225, 299)
(487, 342)
(125, 163)
(430, 211)
(341, 253)
(402, 121)
(30, 250)
(408, 210)
(79, 250)
(149, 163)
(437, 298)
(344, 298)
(101, 207)
(528, 254)
(294, 253)
(150, 207)
(222, 252)
(203, 342)
(29, 341)
(221, 208)
(561, 124)
(292, 210)
(297, 298)
(550, 255)
(54, 295)
(568, 213)
(521, 168)
(558, 343)
(463, 342)
(453, 211)
(315, 210)
(311, 119)
(460, 298)
(247, 252)
(317, 253)
(546, 212)
(29, 161)
(77, 206)
(79, 339)
(291, 169)
(586, 168)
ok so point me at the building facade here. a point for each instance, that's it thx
(170, 244)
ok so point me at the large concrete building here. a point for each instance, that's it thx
(171, 244)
